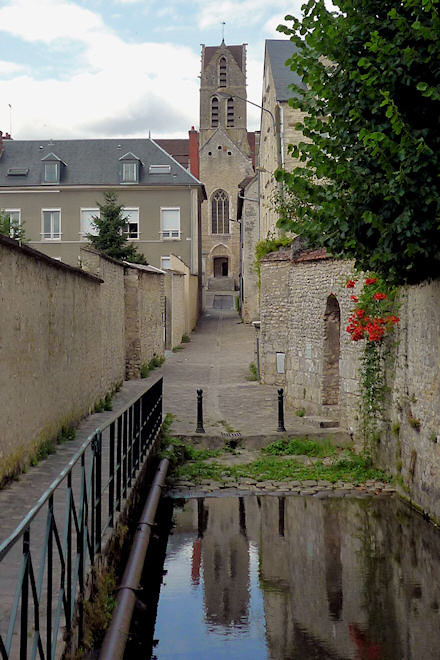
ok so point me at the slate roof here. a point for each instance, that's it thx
(89, 162)
(177, 148)
(278, 51)
(236, 52)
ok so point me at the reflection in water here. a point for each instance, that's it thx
(300, 578)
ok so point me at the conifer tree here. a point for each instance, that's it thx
(110, 225)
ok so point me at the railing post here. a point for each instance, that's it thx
(281, 428)
(97, 446)
(25, 597)
(111, 485)
(200, 428)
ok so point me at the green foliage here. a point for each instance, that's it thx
(300, 412)
(253, 373)
(300, 447)
(111, 238)
(186, 339)
(155, 362)
(265, 247)
(369, 189)
(11, 228)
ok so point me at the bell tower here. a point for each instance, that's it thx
(224, 67)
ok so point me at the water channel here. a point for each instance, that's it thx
(299, 578)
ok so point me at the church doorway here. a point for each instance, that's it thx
(221, 267)
(332, 350)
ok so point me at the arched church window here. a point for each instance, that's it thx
(214, 112)
(222, 72)
(230, 109)
(220, 212)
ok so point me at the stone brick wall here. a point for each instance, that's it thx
(111, 314)
(251, 233)
(144, 317)
(294, 302)
(411, 446)
(51, 350)
(298, 316)
(175, 308)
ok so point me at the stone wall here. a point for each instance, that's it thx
(296, 300)
(144, 317)
(305, 307)
(411, 446)
(111, 313)
(175, 308)
(51, 350)
(250, 295)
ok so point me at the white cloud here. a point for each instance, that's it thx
(8, 68)
(49, 20)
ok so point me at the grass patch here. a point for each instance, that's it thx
(253, 375)
(353, 469)
(155, 362)
(185, 339)
(300, 447)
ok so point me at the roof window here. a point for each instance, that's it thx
(160, 169)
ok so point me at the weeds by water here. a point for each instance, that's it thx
(300, 447)
(190, 464)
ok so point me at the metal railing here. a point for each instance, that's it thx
(46, 558)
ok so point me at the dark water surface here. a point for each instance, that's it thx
(299, 578)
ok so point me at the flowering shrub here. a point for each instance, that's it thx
(371, 317)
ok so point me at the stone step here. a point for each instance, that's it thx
(321, 422)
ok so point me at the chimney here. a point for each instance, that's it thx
(194, 152)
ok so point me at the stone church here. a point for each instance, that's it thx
(226, 157)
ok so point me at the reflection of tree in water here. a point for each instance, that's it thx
(379, 639)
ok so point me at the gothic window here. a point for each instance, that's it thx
(230, 109)
(222, 72)
(220, 212)
(214, 112)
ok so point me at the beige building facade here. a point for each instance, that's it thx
(53, 189)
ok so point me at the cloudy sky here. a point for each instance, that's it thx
(120, 68)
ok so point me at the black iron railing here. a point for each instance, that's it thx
(46, 558)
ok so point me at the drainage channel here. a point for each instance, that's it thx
(115, 640)
(271, 576)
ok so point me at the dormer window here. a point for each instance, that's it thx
(130, 168)
(52, 169)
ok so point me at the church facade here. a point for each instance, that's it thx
(226, 157)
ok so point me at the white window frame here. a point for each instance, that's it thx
(171, 231)
(129, 212)
(86, 227)
(54, 236)
(130, 171)
(49, 179)
(168, 260)
(10, 212)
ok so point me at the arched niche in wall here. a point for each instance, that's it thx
(331, 352)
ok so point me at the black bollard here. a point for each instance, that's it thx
(281, 427)
(200, 428)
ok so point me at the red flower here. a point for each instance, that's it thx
(359, 313)
(379, 296)
(350, 284)
(370, 280)
(354, 299)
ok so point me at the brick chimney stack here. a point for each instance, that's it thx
(194, 152)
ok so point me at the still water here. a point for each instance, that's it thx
(299, 578)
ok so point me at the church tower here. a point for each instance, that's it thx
(225, 160)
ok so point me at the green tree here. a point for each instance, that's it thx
(111, 237)
(370, 187)
(11, 227)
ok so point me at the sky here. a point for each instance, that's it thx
(73, 69)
